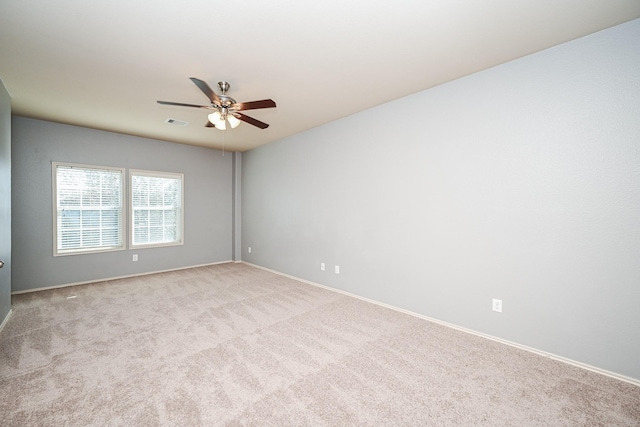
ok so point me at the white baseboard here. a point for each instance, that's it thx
(6, 319)
(116, 278)
(462, 329)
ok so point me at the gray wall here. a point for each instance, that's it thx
(5, 202)
(207, 198)
(521, 182)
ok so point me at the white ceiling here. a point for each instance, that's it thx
(104, 64)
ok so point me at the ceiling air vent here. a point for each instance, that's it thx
(176, 122)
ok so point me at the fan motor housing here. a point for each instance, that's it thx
(226, 101)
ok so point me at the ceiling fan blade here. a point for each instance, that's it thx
(251, 120)
(204, 87)
(180, 104)
(254, 105)
(209, 125)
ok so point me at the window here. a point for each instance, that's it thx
(88, 209)
(156, 208)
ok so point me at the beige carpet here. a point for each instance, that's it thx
(234, 345)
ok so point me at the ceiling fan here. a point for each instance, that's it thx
(226, 109)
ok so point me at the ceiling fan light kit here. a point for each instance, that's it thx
(218, 120)
(226, 109)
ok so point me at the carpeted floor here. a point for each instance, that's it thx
(235, 345)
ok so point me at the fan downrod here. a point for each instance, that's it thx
(224, 87)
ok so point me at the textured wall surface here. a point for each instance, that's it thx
(521, 182)
(207, 202)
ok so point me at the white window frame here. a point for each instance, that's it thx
(131, 220)
(123, 213)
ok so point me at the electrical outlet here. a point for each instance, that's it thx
(337, 269)
(135, 257)
(249, 249)
(322, 266)
(497, 305)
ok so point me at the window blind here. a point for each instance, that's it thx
(88, 208)
(156, 205)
